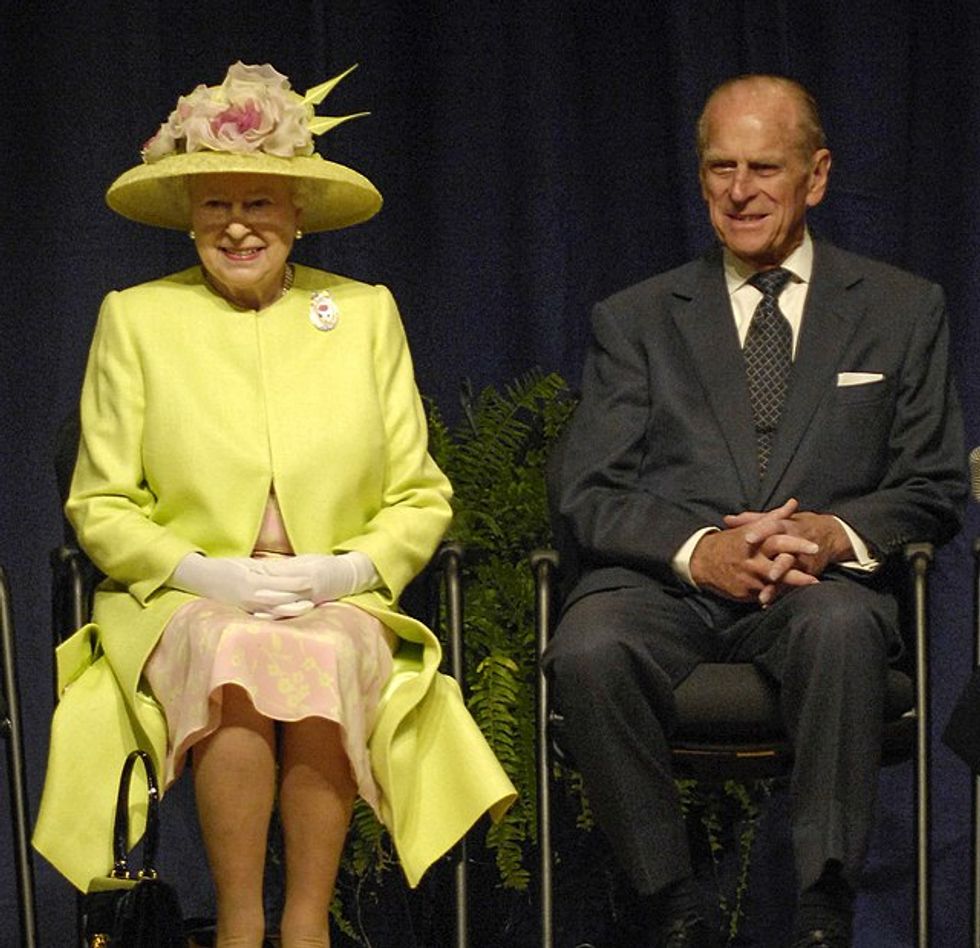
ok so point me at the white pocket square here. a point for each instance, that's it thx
(858, 378)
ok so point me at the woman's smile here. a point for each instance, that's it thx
(244, 226)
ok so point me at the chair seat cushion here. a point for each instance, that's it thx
(737, 702)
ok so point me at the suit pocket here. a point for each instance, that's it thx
(872, 393)
(848, 450)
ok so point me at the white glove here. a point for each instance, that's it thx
(322, 577)
(233, 581)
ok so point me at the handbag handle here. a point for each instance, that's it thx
(120, 830)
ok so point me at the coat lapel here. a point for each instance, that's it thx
(703, 316)
(830, 316)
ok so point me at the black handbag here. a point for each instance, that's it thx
(127, 910)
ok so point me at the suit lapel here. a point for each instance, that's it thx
(830, 317)
(703, 316)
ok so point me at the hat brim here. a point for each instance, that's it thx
(338, 198)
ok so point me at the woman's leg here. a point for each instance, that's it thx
(234, 782)
(316, 795)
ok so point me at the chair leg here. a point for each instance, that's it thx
(975, 928)
(17, 777)
(450, 561)
(976, 780)
(545, 867)
(543, 564)
(920, 558)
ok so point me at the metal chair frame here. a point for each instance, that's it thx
(746, 760)
(449, 561)
(975, 863)
(10, 727)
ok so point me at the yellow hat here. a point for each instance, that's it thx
(253, 123)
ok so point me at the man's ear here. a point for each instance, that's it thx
(819, 173)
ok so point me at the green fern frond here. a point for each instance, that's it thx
(496, 462)
(369, 848)
(585, 820)
(507, 839)
(493, 696)
(339, 916)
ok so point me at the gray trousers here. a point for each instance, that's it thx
(617, 656)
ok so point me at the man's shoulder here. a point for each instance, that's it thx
(683, 281)
(850, 268)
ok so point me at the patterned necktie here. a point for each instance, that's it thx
(768, 353)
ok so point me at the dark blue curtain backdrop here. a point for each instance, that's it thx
(534, 157)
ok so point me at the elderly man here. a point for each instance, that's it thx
(759, 431)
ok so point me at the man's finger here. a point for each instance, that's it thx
(789, 543)
(766, 527)
(781, 565)
(797, 577)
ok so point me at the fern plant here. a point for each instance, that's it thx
(728, 816)
(496, 460)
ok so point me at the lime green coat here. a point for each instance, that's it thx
(191, 410)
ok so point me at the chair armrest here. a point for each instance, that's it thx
(545, 564)
(919, 557)
(73, 580)
(9, 709)
(449, 562)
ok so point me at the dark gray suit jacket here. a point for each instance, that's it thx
(663, 441)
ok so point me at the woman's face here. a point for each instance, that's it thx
(244, 226)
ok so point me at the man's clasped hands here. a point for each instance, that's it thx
(760, 556)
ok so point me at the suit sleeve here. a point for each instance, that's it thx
(109, 504)
(923, 489)
(403, 534)
(614, 518)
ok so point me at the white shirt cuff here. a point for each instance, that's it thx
(863, 561)
(681, 562)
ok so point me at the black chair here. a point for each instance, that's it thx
(729, 726)
(10, 726)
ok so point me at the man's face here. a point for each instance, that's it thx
(755, 177)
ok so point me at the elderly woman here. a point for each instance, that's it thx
(253, 480)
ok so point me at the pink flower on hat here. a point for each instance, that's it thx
(242, 118)
(254, 109)
(160, 144)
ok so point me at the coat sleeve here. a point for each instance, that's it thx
(414, 511)
(923, 489)
(614, 517)
(109, 503)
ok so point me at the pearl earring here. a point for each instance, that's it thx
(192, 235)
(299, 233)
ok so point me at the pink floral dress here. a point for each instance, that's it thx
(331, 662)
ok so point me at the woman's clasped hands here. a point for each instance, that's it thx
(275, 587)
